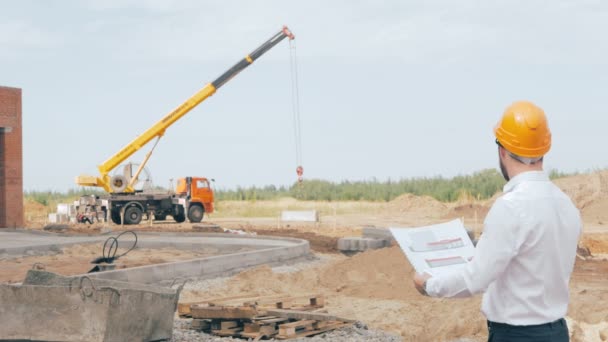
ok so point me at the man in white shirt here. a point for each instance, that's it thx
(525, 256)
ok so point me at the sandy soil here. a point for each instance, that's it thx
(376, 288)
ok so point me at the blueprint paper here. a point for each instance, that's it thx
(436, 249)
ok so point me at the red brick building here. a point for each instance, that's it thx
(11, 156)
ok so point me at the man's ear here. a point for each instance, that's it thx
(502, 152)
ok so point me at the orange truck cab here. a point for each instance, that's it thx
(198, 196)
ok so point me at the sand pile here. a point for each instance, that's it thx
(374, 287)
(589, 192)
(425, 205)
(470, 211)
(596, 211)
(585, 188)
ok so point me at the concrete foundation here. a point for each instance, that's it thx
(267, 250)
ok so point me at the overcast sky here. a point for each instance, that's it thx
(387, 88)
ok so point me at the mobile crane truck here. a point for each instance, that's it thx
(193, 196)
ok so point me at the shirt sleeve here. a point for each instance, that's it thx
(496, 248)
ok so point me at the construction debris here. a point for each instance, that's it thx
(262, 317)
(50, 307)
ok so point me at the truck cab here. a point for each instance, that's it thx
(198, 195)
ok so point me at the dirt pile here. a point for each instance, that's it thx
(374, 287)
(426, 206)
(596, 243)
(589, 192)
(470, 211)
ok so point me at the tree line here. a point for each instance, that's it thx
(479, 185)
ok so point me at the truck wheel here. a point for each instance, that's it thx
(179, 218)
(133, 215)
(115, 216)
(195, 213)
(160, 217)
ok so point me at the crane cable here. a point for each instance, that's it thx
(295, 105)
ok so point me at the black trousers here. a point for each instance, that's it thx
(549, 332)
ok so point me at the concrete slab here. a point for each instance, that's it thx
(51, 307)
(300, 216)
(358, 244)
(383, 233)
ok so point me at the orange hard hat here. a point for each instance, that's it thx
(523, 130)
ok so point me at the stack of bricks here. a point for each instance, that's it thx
(11, 159)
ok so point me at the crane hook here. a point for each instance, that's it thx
(300, 172)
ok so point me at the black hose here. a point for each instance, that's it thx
(110, 248)
(132, 247)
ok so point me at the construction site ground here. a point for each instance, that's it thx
(374, 287)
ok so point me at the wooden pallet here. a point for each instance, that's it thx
(306, 302)
(277, 317)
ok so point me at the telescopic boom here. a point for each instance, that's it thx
(158, 129)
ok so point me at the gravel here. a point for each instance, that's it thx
(356, 332)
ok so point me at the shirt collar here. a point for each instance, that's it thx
(525, 177)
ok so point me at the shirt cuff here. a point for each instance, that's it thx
(432, 287)
(447, 285)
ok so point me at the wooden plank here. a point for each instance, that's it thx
(321, 324)
(183, 309)
(318, 301)
(270, 320)
(297, 324)
(258, 329)
(289, 329)
(228, 332)
(251, 328)
(276, 301)
(200, 324)
(220, 312)
(252, 335)
(294, 314)
(225, 325)
(305, 333)
(315, 300)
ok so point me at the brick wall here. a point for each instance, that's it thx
(11, 159)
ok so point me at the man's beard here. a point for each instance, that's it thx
(503, 169)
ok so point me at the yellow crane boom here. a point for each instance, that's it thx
(158, 129)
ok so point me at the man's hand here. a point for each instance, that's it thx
(420, 282)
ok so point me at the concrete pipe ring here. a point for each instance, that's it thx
(118, 183)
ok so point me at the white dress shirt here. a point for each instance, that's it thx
(524, 257)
